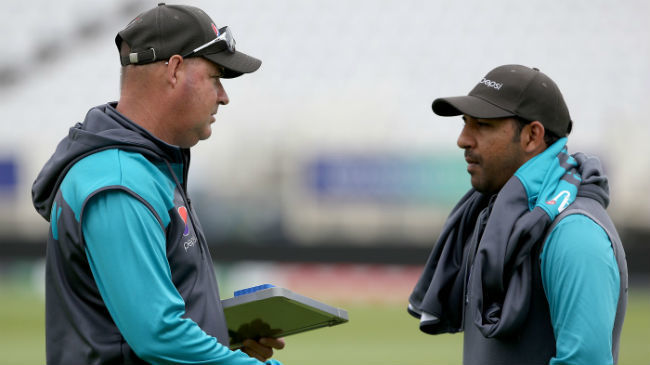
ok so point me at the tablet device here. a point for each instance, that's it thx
(268, 311)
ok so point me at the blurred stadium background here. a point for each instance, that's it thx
(328, 173)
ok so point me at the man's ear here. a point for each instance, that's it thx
(532, 138)
(174, 65)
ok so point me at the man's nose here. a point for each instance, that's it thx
(464, 140)
(222, 95)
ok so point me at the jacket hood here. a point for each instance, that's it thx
(103, 128)
(594, 181)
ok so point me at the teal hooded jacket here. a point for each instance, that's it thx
(129, 277)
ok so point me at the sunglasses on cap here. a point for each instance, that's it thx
(223, 41)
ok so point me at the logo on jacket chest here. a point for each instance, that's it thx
(191, 241)
(182, 211)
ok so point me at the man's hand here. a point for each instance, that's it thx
(262, 349)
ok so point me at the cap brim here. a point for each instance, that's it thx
(468, 105)
(236, 64)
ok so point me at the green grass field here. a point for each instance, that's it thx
(376, 334)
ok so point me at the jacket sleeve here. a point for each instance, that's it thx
(581, 282)
(126, 249)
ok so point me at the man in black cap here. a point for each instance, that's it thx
(528, 264)
(129, 277)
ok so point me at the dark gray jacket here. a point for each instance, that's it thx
(535, 342)
(483, 276)
(79, 328)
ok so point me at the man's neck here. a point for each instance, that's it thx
(142, 114)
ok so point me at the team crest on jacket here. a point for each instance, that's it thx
(565, 201)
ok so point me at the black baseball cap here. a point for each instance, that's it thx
(509, 91)
(167, 30)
